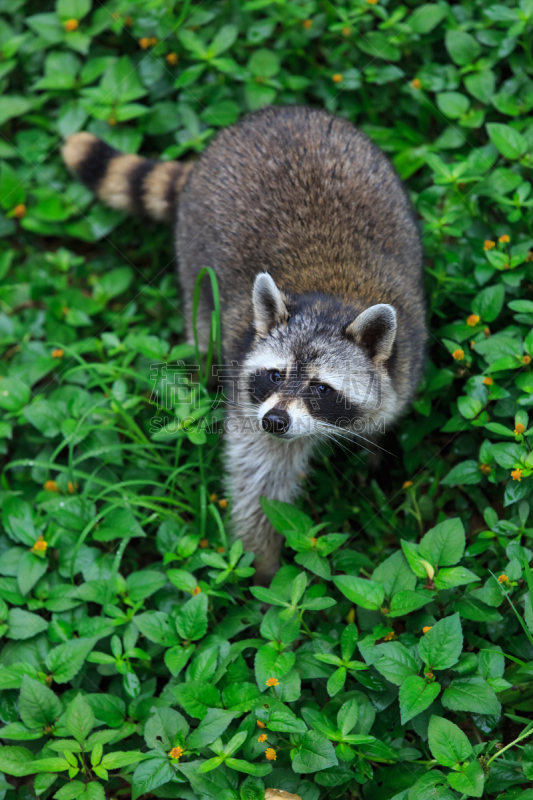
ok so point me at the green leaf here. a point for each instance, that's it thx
(191, 621)
(441, 646)
(264, 63)
(118, 759)
(425, 18)
(162, 726)
(150, 774)
(79, 718)
(314, 753)
(24, 624)
(467, 473)
(155, 625)
(66, 660)
(197, 697)
(143, 584)
(285, 517)
(31, 569)
(13, 106)
(444, 544)
(471, 694)
(405, 602)
(462, 47)
(12, 190)
(38, 705)
(448, 744)
(469, 781)
(70, 791)
(416, 694)
(395, 662)
(364, 593)
(509, 141)
(270, 663)
(18, 519)
(210, 728)
(16, 761)
(453, 104)
(449, 577)
(489, 302)
(72, 9)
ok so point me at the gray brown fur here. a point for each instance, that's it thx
(308, 199)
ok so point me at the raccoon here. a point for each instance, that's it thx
(319, 265)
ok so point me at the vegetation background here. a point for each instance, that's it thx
(396, 660)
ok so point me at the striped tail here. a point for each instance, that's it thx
(126, 182)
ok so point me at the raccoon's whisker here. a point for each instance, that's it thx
(375, 445)
(335, 434)
(324, 432)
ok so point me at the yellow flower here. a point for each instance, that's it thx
(519, 429)
(472, 320)
(204, 543)
(71, 25)
(486, 331)
(488, 244)
(307, 23)
(176, 752)
(51, 486)
(427, 628)
(40, 545)
(526, 359)
(503, 579)
(313, 541)
(262, 738)
(58, 353)
(213, 497)
(516, 475)
(337, 78)
(429, 675)
(488, 381)
(272, 682)
(504, 239)
(407, 484)
(260, 724)
(485, 469)
(346, 31)
(389, 637)
(458, 354)
(172, 58)
(221, 549)
(19, 211)
(71, 487)
(223, 504)
(196, 591)
(371, 2)
(145, 42)
(270, 753)
(416, 83)
(112, 121)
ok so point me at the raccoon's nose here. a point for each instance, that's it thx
(276, 421)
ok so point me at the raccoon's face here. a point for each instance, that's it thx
(311, 372)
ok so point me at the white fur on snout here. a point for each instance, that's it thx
(301, 422)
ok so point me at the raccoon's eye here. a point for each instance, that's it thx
(323, 388)
(275, 376)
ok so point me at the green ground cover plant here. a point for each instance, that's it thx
(395, 659)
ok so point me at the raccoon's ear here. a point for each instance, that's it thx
(375, 330)
(268, 303)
